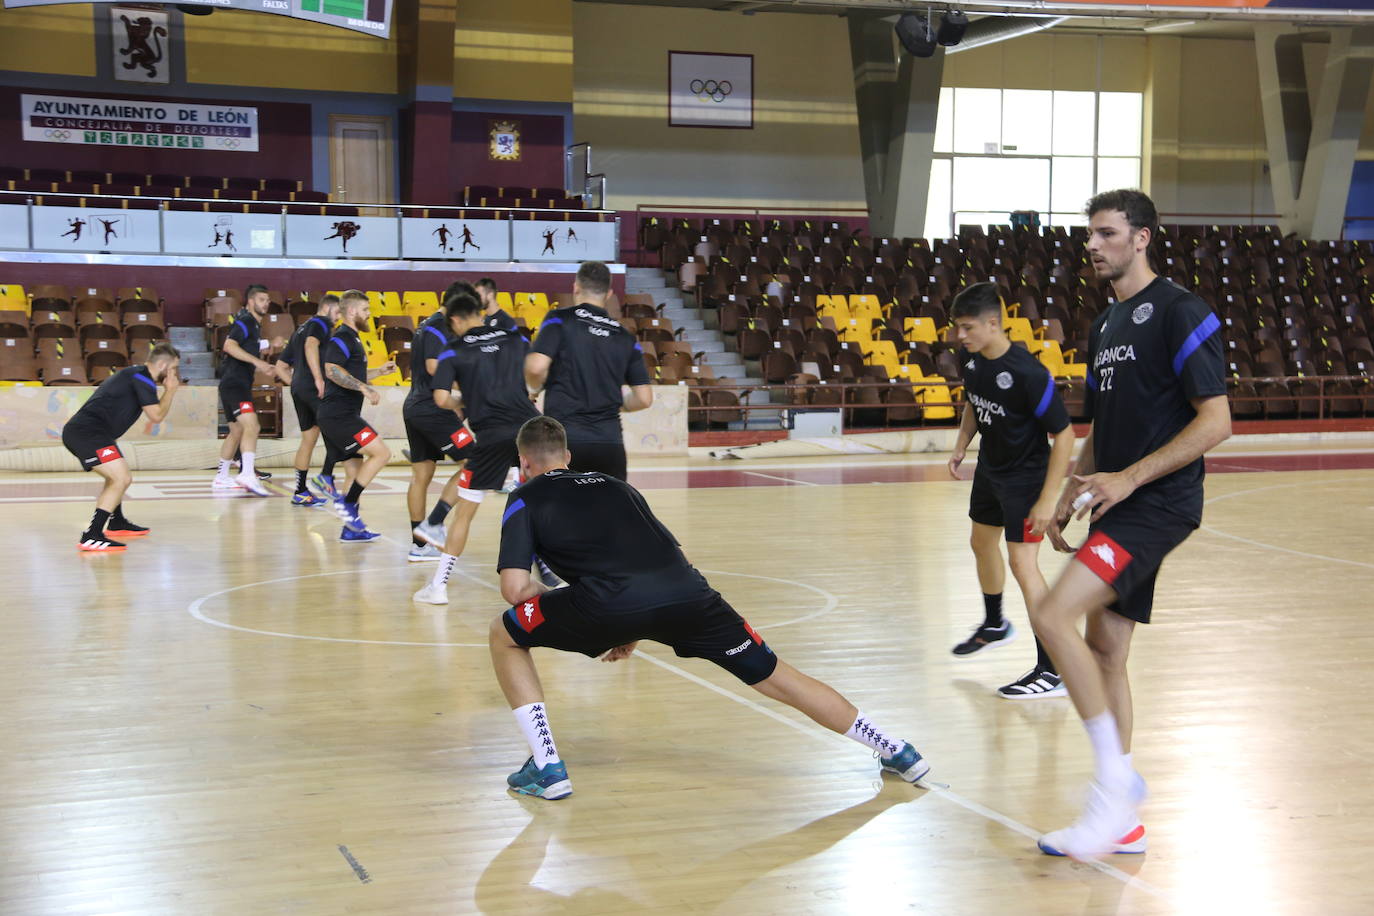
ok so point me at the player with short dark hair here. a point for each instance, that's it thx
(241, 349)
(493, 316)
(434, 433)
(1157, 397)
(487, 365)
(628, 580)
(1013, 405)
(581, 357)
(92, 436)
(340, 416)
(306, 377)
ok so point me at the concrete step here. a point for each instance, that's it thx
(644, 272)
(713, 347)
(196, 363)
(730, 372)
(187, 339)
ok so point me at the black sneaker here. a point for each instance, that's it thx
(1034, 685)
(262, 475)
(984, 637)
(123, 528)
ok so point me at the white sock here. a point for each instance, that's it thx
(248, 462)
(1112, 767)
(534, 723)
(866, 733)
(446, 563)
(224, 467)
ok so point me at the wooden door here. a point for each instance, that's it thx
(360, 161)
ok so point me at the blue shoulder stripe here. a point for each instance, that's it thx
(549, 321)
(242, 327)
(1047, 398)
(342, 346)
(324, 324)
(145, 380)
(445, 355)
(512, 509)
(435, 331)
(1206, 329)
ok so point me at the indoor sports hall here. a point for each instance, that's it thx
(225, 703)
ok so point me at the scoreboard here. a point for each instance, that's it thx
(372, 17)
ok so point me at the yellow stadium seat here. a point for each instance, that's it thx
(1019, 329)
(390, 304)
(881, 353)
(865, 307)
(937, 396)
(834, 306)
(13, 299)
(503, 302)
(377, 356)
(855, 329)
(920, 330)
(909, 372)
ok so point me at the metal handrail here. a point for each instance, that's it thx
(29, 195)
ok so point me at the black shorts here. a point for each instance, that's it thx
(434, 435)
(307, 409)
(346, 434)
(1006, 502)
(1126, 547)
(91, 447)
(709, 629)
(489, 461)
(604, 457)
(236, 399)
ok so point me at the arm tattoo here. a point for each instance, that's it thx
(339, 377)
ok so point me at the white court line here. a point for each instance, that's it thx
(807, 483)
(1297, 553)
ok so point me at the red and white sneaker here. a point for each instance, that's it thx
(100, 545)
(1132, 843)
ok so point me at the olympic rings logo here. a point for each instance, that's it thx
(711, 90)
(230, 142)
(57, 134)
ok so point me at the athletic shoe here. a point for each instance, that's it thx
(326, 486)
(99, 544)
(250, 483)
(1109, 819)
(305, 498)
(348, 535)
(546, 575)
(1132, 844)
(348, 512)
(262, 475)
(224, 482)
(985, 636)
(420, 554)
(549, 782)
(906, 763)
(125, 529)
(431, 594)
(1035, 684)
(433, 534)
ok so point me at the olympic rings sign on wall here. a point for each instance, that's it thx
(711, 90)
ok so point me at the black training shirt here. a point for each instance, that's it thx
(302, 379)
(430, 340)
(488, 365)
(593, 355)
(245, 332)
(500, 319)
(1015, 402)
(1151, 356)
(597, 533)
(116, 404)
(345, 349)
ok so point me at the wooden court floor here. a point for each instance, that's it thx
(242, 715)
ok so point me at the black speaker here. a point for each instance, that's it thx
(915, 34)
(952, 26)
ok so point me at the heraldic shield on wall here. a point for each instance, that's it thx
(505, 140)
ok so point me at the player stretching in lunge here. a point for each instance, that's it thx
(1012, 404)
(91, 436)
(1157, 398)
(341, 420)
(628, 580)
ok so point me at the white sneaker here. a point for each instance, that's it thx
(224, 482)
(250, 483)
(421, 554)
(432, 594)
(434, 534)
(1108, 818)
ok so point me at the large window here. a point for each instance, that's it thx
(998, 150)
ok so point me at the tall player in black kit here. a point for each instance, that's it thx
(433, 432)
(92, 432)
(1013, 405)
(1157, 398)
(581, 357)
(302, 359)
(628, 580)
(487, 365)
(241, 349)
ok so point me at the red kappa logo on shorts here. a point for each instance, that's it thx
(107, 454)
(1104, 557)
(246, 407)
(752, 635)
(462, 438)
(364, 435)
(465, 479)
(528, 614)
(1027, 535)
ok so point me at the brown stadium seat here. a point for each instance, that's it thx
(70, 370)
(14, 324)
(52, 324)
(104, 352)
(220, 309)
(17, 363)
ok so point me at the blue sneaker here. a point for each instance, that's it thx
(906, 763)
(326, 486)
(348, 535)
(551, 782)
(305, 499)
(348, 513)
